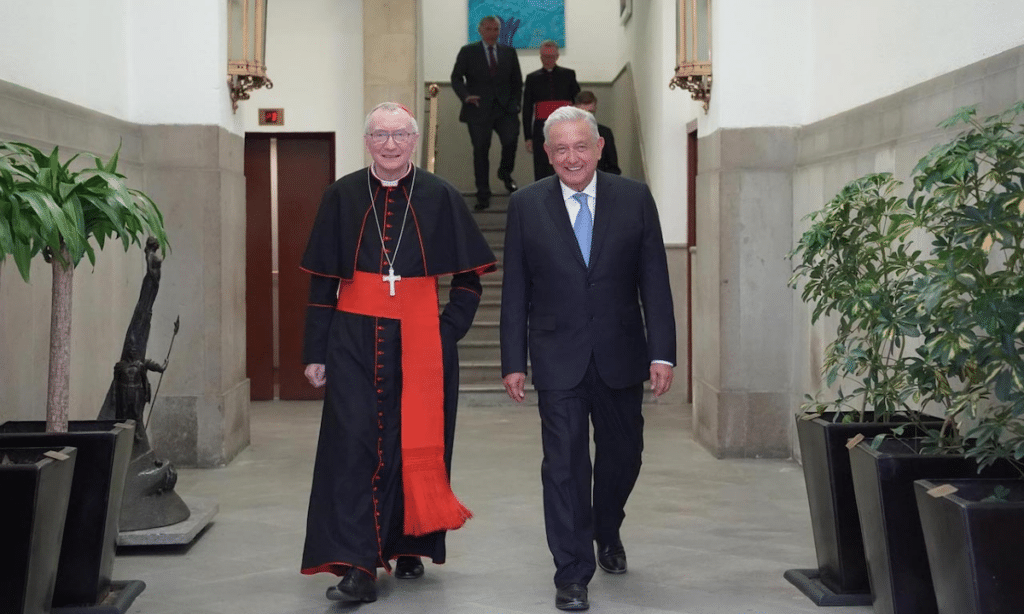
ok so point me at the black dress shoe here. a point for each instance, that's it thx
(612, 557)
(357, 585)
(510, 184)
(572, 597)
(408, 568)
(482, 203)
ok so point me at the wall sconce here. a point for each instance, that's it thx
(247, 35)
(693, 71)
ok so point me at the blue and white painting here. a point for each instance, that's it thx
(525, 24)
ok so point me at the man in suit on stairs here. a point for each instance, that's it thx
(487, 80)
(586, 289)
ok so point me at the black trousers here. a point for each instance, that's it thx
(507, 127)
(571, 521)
(541, 165)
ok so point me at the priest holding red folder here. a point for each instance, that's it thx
(546, 89)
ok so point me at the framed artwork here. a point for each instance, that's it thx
(525, 24)
(625, 10)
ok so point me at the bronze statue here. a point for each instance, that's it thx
(149, 497)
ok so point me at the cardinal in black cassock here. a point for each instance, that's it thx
(382, 238)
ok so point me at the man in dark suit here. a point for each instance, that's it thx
(609, 161)
(547, 88)
(586, 289)
(487, 79)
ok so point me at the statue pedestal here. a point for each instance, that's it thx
(201, 514)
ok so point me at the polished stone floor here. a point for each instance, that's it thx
(703, 536)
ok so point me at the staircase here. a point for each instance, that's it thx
(479, 350)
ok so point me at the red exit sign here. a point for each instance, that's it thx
(271, 117)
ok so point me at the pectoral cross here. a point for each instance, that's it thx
(391, 278)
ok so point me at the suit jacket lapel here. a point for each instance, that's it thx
(555, 205)
(603, 209)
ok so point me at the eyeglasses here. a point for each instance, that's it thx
(379, 137)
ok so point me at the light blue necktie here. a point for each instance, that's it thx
(583, 226)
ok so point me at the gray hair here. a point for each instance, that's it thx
(570, 114)
(391, 107)
(487, 19)
(549, 43)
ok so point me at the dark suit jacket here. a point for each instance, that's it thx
(609, 161)
(619, 309)
(499, 94)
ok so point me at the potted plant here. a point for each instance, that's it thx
(57, 209)
(973, 538)
(46, 207)
(967, 304)
(972, 193)
(36, 483)
(856, 264)
(87, 552)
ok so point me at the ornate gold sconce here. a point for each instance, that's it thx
(247, 35)
(693, 71)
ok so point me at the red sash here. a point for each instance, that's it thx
(544, 108)
(430, 504)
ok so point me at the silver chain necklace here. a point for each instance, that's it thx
(390, 278)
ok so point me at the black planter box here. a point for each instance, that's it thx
(91, 528)
(974, 546)
(842, 576)
(883, 481)
(36, 489)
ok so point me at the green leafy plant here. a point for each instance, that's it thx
(856, 261)
(942, 331)
(970, 194)
(48, 208)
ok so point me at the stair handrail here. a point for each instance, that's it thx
(433, 90)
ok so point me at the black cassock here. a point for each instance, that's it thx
(356, 504)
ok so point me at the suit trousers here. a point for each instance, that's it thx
(507, 127)
(541, 164)
(572, 523)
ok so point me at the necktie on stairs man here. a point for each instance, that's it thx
(492, 61)
(583, 226)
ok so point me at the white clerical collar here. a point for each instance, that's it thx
(590, 190)
(386, 183)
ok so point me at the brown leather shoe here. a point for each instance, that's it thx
(612, 557)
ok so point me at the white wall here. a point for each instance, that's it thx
(146, 62)
(759, 61)
(75, 51)
(872, 48)
(178, 63)
(664, 113)
(594, 39)
(794, 62)
(315, 59)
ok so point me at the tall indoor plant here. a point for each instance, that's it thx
(971, 194)
(48, 207)
(856, 264)
(948, 324)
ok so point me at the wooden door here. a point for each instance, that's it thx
(300, 167)
(259, 306)
(691, 244)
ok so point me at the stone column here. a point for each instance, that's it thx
(195, 173)
(390, 54)
(743, 323)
